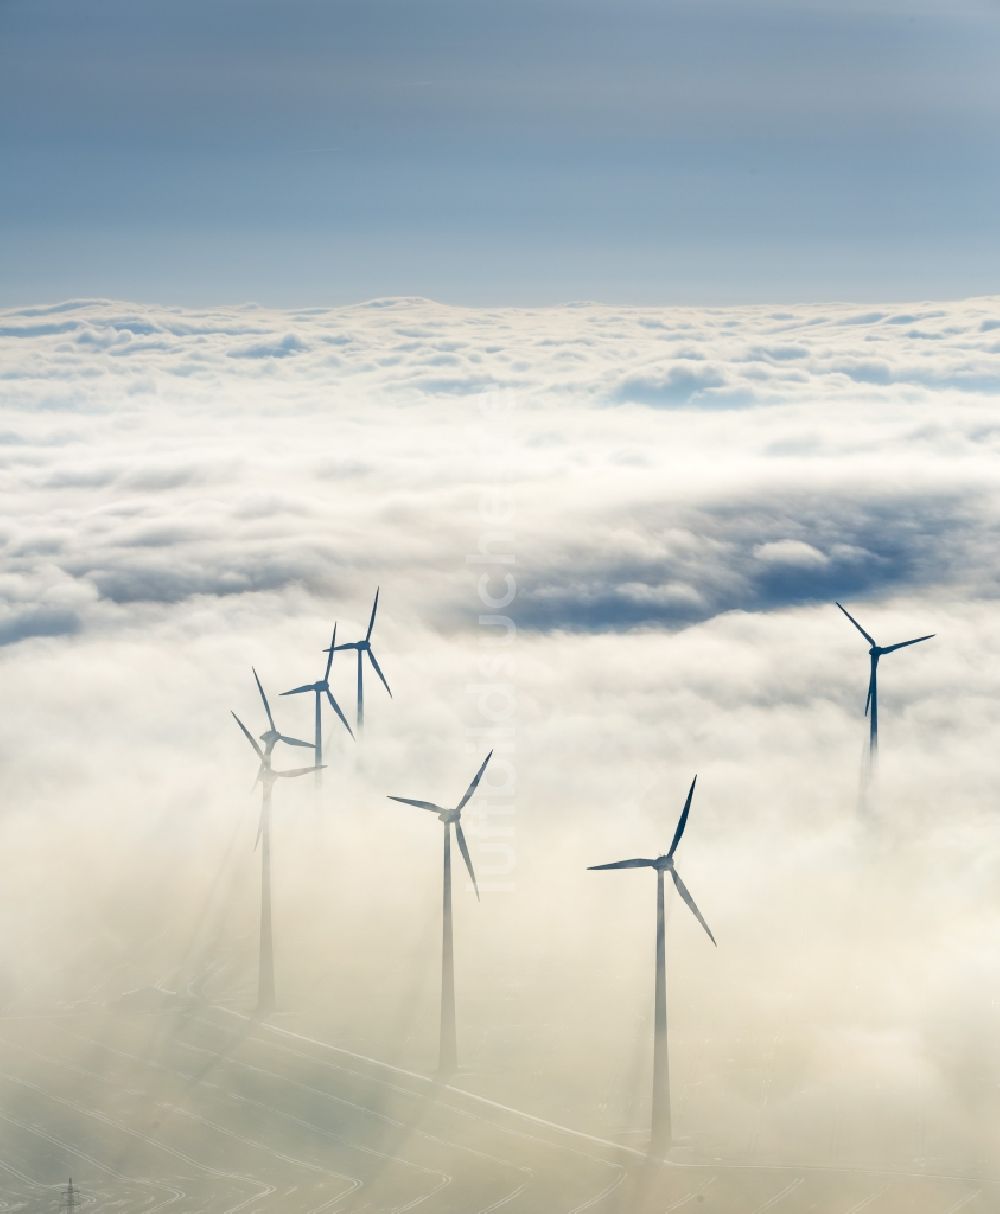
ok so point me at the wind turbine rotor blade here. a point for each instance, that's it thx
(267, 707)
(463, 847)
(870, 639)
(871, 688)
(249, 736)
(299, 771)
(378, 669)
(295, 742)
(685, 893)
(371, 622)
(682, 820)
(336, 708)
(297, 691)
(260, 829)
(475, 783)
(903, 644)
(329, 653)
(638, 863)
(435, 809)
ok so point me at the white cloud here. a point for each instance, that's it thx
(173, 514)
(790, 552)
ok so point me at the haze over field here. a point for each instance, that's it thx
(671, 500)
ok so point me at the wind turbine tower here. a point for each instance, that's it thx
(266, 778)
(874, 653)
(661, 1129)
(365, 647)
(450, 818)
(272, 735)
(320, 689)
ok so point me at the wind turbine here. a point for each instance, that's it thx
(875, 652)
(661, 1129)
(364, 647)
(320, 688)
(267, 777)
(272, 736)
(449, 817)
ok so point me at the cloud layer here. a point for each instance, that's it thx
(674, 498)
(154, 455)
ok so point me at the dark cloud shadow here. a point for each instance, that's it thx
(754, 556)
(39, 622)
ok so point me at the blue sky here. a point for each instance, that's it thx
(314, 151)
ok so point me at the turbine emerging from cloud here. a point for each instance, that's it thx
(875, 652)
(449, 818)
(661, 1123)
(272, 736)
(364, 647)
(267, 777)
(319, 689)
